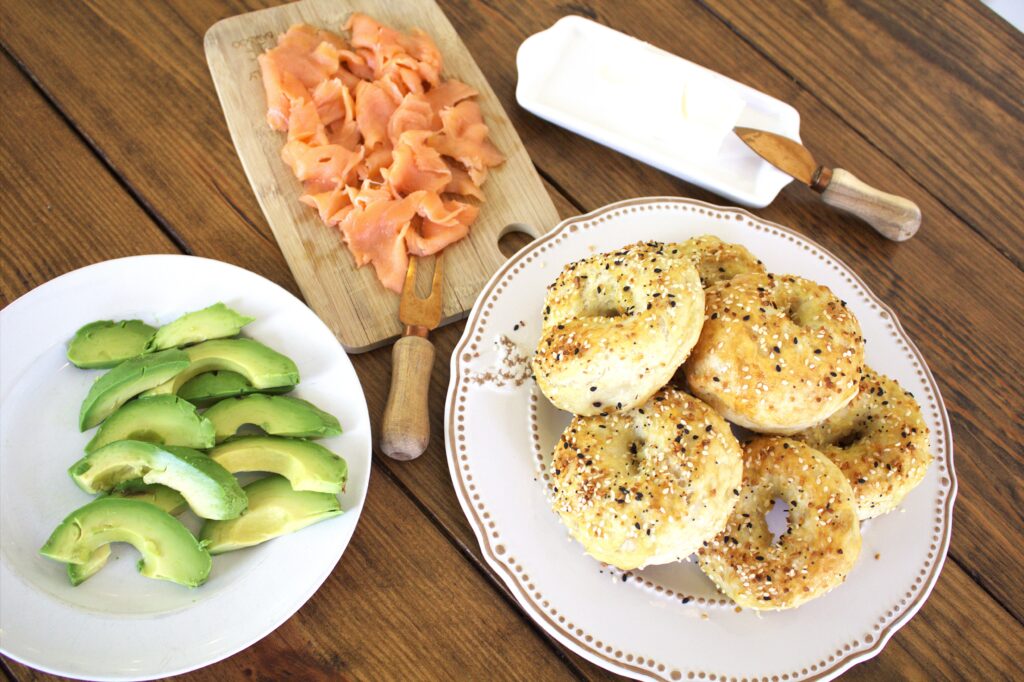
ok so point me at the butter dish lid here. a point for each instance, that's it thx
(654, 106)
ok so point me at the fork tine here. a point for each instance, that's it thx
(432, 304)
(410, 278)
(436, 282)
(421, 312)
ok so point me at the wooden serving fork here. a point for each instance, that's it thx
(405, 431)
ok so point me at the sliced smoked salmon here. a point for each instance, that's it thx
(415, 166)
(381, 144)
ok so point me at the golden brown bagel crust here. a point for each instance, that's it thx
(817, 551)
(650, 485)
(717, 261)
(778, 353)
(616, 326)
(879, 441)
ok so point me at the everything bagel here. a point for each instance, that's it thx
(777, 354)
(616, 326)
(879, 441)
(716, 260)
(649, 485)
(816, 552)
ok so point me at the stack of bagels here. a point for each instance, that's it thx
(656, 348)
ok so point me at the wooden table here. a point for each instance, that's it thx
(114, 145)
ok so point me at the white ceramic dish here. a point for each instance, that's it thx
(569, 52)
(119, 625)
(669, 622)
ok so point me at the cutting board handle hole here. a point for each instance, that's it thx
(514, 237)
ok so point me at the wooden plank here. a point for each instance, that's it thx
(975, 359)
(401, 604)
(938, 87)
(156, 118)
(50, 228)
(353, 303)
(934, 645)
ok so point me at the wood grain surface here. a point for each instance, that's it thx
(124, 150)
(943, 76)
(361, 312)
(79, 227)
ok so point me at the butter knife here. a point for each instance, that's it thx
(892, 216)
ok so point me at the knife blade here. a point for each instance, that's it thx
(790, 157)
(892, 216)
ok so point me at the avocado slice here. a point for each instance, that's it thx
(216, 322)
(79, 573)
(261, 366)
(161, 496)
(169, 551)
(210, 387)
(106, 343)
(210, 490)
(278, 415)
(159, 419)
(168, 499)
(306, 465)
(127, 380)
(275, 509)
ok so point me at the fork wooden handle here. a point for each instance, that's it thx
(405, 431)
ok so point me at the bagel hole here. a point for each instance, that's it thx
(795, 312)
(850, 439)
(601, 297)
(600, 306)
(777, 519)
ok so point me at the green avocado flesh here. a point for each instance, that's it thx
(168, 499)
(127, 380)
(157, 495)
(79, 573)
(216, 322)
(106, 343)
(210, 490)
(262, 367)
(159, 419)
(275, 509)
(306, 465)
(169, 551)
(278, 415)
(212, 386)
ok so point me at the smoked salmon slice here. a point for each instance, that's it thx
(388, 152)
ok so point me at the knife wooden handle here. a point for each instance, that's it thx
(405, 431)
(894, 217)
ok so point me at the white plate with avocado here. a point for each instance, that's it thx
(118, 624)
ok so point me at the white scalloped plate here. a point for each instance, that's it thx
(669, 622)
(119, 625)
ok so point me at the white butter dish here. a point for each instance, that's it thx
(653, 106)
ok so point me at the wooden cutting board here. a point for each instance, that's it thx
(361, 312)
